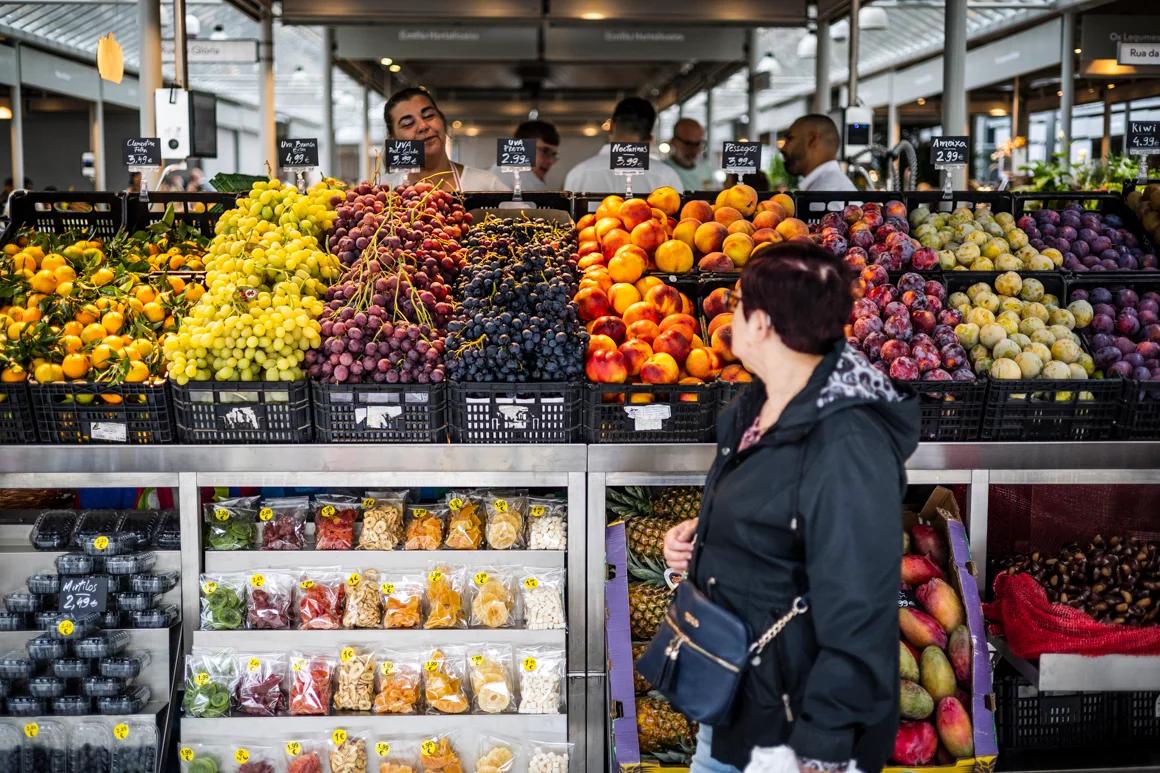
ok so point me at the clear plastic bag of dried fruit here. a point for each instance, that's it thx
(439, 754)
(348, 752)
(304, 756)
(269, 597)
(363, 606)
(424, 527)
(505, 519)
(246, 758)
(445, 587)
(496, 754)
(354, 688)
(493, 598)
(399, 682)
(321, 599)
(542, 599)
(261, 687)
(541, 675)
(464, 521)
(397, 755)
(547, 757)
(444, 672)
(489, 668)
(311, 684)
(383, 514)
(334, 519)
(402, 601)
(547, 523)
(282, 523)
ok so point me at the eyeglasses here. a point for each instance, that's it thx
(732, 299)
(689, 143)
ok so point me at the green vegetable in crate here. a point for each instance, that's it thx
(208, 678)
(222, 604)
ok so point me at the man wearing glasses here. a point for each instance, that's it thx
(547, 154)
(687, 157)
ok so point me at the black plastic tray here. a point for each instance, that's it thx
(89, 213)
(243, 412)
(201, 210)
(950, 411)
(17, 421)
(561, 200)
(665, 413)
(380, 413)
(1028, 720)
(1051, 410)
(1092, 201)
(514, 413)
(81, 412)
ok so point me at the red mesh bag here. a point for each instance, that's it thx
(1033, 626)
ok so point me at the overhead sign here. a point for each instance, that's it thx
(741, 157)
(213, 51)
(301, 153)
(622, 43)
(1139, 54)
(1101, 38)
(515, 154)
(142, 152)
(311, 11)
(741, 12)
(1143, 138)
(947, 152)
(629, 157)
(416, 42)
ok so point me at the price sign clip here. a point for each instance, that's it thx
(142, 154)
(515, 156)
(298, 155)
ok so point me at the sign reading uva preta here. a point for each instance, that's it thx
(515, 154)
(629, 157)
(142, 152)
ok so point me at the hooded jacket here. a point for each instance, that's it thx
(813, 508)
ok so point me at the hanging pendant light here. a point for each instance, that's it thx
(807, 47)
(110, 59)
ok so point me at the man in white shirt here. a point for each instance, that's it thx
(811, 152)
(687, 156)
(632, 121)
(547, 153)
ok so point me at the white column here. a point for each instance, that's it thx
(821, 101)
(364, 162)
(180, 55)
(1106, 140)
(751, 90)
(17, 124)
(855, 39)
(267, 123)
(97, 121)
(329, 166)
(149, 27)
(954, 117)
(1066, 84)
(893, 125)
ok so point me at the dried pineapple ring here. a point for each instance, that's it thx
(503, 529)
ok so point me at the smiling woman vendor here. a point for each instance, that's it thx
(411, 114)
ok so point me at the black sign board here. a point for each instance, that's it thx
(298, 153)
(404, 154)
(83, 594)
(142, 152)
(515, 154)
(741, 157)
(948, 151)
(1143, 138)
(629, 156)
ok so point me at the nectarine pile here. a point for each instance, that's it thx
(720, 332)
(727, 233)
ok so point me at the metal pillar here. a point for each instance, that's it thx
(267, 123)
(954, 114)
(149, 27)
(855, 35)
(821, 102)
(1106, 140)
(709, 122)
(328, 160)
(1124, 136)
(180, 57)
(17, 123)
(1067, 84)
(751, 91)
(364, 162)
(97, 121)
(893, 125)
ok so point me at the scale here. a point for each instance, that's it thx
(142, 154)
(946, 154)
(299, 156)
(627, 160)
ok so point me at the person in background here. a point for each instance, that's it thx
(171, 184)
(547, 153)
(134, 183)
(758, 181)
(411, 114)
(196, 181)
(632, 121)
(811, 153)
(687, 156)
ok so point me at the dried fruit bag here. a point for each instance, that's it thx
(382, 527)
(334, 519)
(542, 594)
(490, 671)
(260, 691)
(464, 522)
(443, 687)
(348, 754)
(304, 756)
(321, 599)
(201, 758)
(493, 599)
(541, 673)
(424, 527)
(399, 682)
(549, 757)
(311, 680)
(231, 524)
(254, 759)
(355, 687)
(269, 596)
(438, 755)
(397, 755)
(547, 524)
(209, 680)
(505, 520)
(282, 523)
(402, 602)
(362, 600)
(445, 598)
(495, 755)
(222, 601)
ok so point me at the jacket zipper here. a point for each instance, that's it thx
(685, 641)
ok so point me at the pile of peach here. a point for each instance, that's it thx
(736, 227)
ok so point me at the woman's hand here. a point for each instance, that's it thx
(679, 545)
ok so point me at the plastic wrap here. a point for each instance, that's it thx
(496, 755)
(231, 524)
(311, 683)
(542, 599)
(541, 673)
(464, 521)
(493, 598)
(505, 519)
(445, 588)
(424, 527)
(201, 758)
(269, 597)
(282, 523)
(363, 604)
(222, 601)
(438, 754)
(348, 754)
(88, 748)
(334, 519)
(547, 524)
(443, 681)
(209, 680)
(321, 599)
(354, 688)
(44, 748)
(135, 747)
(260, 690)
(402, 602)
(382, 527)
(399, 682)
(490, 672)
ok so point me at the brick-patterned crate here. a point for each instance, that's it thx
(380, 413)
(87, 412)
(243, 412)
(514, 413)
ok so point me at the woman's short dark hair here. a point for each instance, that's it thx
(805, 290)
(403, 96)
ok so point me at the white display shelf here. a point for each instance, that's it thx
(393, 561)
(315, 642)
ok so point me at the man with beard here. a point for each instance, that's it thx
(811, 153)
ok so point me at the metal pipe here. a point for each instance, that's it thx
(17, 122)
(855, 33)
(98, 138)
(180, 55)
(822, 69)
(267, 122)
(364, 163)
(751, 90)
(1067, 84)
(328, 163)
(149, 77)
(709, 122)
(893, 126)
(954, 112)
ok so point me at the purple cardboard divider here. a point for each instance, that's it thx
(618, 633)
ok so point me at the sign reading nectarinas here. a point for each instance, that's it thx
(629, 156)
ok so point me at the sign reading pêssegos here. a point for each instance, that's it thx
(741, 157)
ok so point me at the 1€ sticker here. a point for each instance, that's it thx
(338, 736)
(120, 731)
(293, 748)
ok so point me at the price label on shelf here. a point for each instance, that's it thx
(1143, 138)
(101, 543)
(435, 576)
(142, 152)
(530, 665)
(514, 155)
(297, 665)
(201, 678)
(65, 627)
(629, 157)
(241, 756)
(949, 152)
(186, 754)
(404, 155)
(741, 157)
(221, 514)
(382, 748)
(338, 736)
(299, 153)
(387, 667)
(419, 512)
(387, 588)
(431, 666)
(353, 579)
(120, 731)
(210, 587)
(477, 660)
(328, 511)
(501, 505)
(430, 747)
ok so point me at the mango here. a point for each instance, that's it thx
(954, 728)
(929, 542)
(907, 665)
(919, 570)
(959, 653)
(920, 629)
(915, 743)
(915, 702)
(942, 603)
(938, 678)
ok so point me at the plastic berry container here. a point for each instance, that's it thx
(72, 564)
(13, 621)
(72, 705)
(16, 665)
(72, 668)
(112, 618)
(154, 583)
(132, 701)
(81, 626)
(135, 602)
(7, 686)
(25, 706)
(44, 583)
(154, 618)
(168, 533)
(41, 620)
(102, 645)
(44, 647)
(140, 525)
(100, 544)
(130, 563)
(53, 530)
(22, 601)
(125, 666)
(46, 687)
(94, 523)
(102, 686)
(114, 583)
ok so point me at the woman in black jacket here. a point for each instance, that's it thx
(802, 508)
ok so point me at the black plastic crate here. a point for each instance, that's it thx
(1140, 715)
(1052, 410)
(650, 413)
(560, 200)
(200, 210)
(380, 413)
(17, 422)
(950, 411)
(1028, 720)
(514, 413)
(811, 206)
(937, 201)
(1092, 201)
(86, 412)
(727, 391)
(1141, 414)
(87, 213)
(243, 412)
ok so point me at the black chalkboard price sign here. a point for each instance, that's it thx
(142, 152)
(404, 154)
(515, 154)
(741, 157)
(1143, 138)
(629, 157)
(948, 152)
(83, 594)
(298, 153)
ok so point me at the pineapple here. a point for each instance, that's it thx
(648, 517)
(646, 536)
(640, 685)
(664, 733)
(649, 597)
(678, 503)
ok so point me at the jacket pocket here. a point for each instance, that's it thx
(797, 650)
(765, 687)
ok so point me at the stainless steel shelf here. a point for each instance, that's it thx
(331, 641)
(149, 714)
(280, 729)
(388, 560)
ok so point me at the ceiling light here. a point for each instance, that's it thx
(1079, 50)
(219, 32)
(591, 131)
(807, 47)
(873, 18)
(770, 64)
(997, 112)
(664, 147)
(192, 25)
(1059, 93)
(1111, 85)
(5, 113)
(457, 124)
(472, 131)
(743, 139)
(920, 101)
(386, 61)
(592, 16)
(395, 68)
(607, 125)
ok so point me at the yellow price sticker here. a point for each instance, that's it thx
(328, 511)
(538, 511)
(477, 660)
(241, 756)
(382, 748)
(481, 578)
(435, 576)
(296, 666)
(293, 748)
(201, 678)
(306, 584)
(65, 627)
(387, 588)
(31, 730)
(257, 580)
(530, 665)
(456, 503)
(346, 655)
(369, 502)
(501, 505)
(531, 583)
(338, 736)
(353, 579)
(221, 514)
(120, 731)
(266, 514)
(419, 512)
(387, 667)
(253, 665)
(186, 754)
(431, 666)
(430, 747)
(101, 543)
(209, 587)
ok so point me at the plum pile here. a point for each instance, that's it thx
(515, 321)
(1124, 334)
(979, 240)
(1087, 240)
(904, 329)
(874, 234)
(386, 318)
